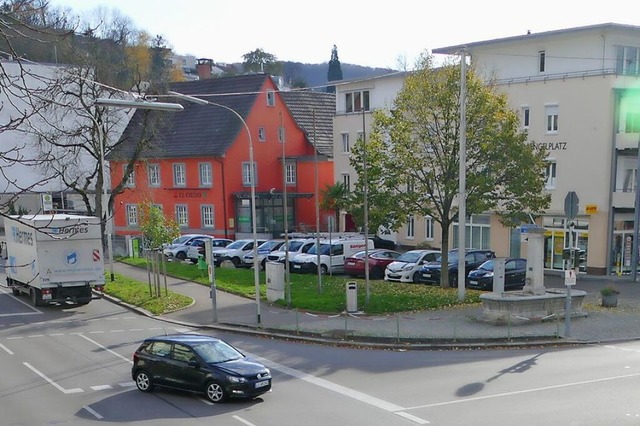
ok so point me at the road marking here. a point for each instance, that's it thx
(20, 313)
(524, 391)
(127, 384)
(116, 331)
(56, 334)
(36, 335)
(96, 332)
(14, 337)
(206, 401)
(241, 420)
(136, 329)
(51, 382)
(101, 387)
(343, 390)
(94, 412)
(6, 349)
(105, 348)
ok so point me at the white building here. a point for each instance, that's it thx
(578, 92)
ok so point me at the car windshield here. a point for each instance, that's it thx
(293, 246)
(453, 257)
(214, 352)
(236, 245)
(180, 240)
(324, 249)
(487, 266)
(359, 255)
(409, 257)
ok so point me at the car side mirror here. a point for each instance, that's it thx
(193, 363)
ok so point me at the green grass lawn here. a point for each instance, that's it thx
(330, 295)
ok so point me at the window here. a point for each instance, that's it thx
(627, 60)
(632, 122)
(153, 171)
(355, 101)
(179, 175)
(246, 173)
(131, 180)
(346, 181)
(410, 227)
(271, 98)
(525, 117)
(360, 136)
(132, 215)
(477, 232)
(630, 176)
(182, 353)
(552, 118)
(428, 228)
(262, 136)
(550, 174)
(181, 215)
(206, 178)
(281, 134)
(208, 219)
(541, 61)
(290, 170)
(346, 148)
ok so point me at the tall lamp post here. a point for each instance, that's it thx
(121, 103)
(256, 264)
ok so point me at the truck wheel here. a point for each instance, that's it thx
(36, 298)
(15, 291)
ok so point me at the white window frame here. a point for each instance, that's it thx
(526, 117)
(542, 61)
(262, 134)
(346, 180)
(246, 173)
(552, 113)
(207, 216)
(346, 146)
(153, 174)
(131, 180)
(182, 215)
(478, 232)
(428, 228)
(271, 98)
(351, 103)
(411, 227)
(290, 173)
(132, 214)
(550, 173)
(179, 175)
(205, 174)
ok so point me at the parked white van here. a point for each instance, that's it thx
(332, 252)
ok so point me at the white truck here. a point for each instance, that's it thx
(54, 258)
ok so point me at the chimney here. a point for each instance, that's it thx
(203, 67)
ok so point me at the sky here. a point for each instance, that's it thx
(368, 33)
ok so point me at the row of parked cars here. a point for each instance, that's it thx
(425, 266)
(347, 255)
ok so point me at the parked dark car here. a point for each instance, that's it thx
(515, 271)
(430, 272)
(383, 243)
(200, 364)
(197, 249)
(378, 261)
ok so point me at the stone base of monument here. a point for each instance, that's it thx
(519, 307)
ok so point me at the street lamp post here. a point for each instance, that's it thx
(256, 264)
(122, 103)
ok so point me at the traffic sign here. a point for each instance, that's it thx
(571, 205)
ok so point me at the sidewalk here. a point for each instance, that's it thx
(442, 328)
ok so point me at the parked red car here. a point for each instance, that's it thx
(378, 261)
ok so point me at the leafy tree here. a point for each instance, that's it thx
(155, 226)
(260, 61)
(335, 71)
(420, 165)
(334, 198)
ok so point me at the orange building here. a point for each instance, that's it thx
(195, 164)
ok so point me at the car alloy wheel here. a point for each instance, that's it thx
(215, 392)
(181, 256)
(143, 381)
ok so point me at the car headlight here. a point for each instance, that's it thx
(235, 379)
(407, 267)
(489, 274)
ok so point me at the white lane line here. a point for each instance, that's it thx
(136, 329)
(105, 348)
(343, 390)
(36, 335)
(15, 337)
(36, 311)
(56, 334)
(17, 324)
(93, 412)
(6, 349)
(116, 331)
(101, 387)
(206, 401)
(243, 421)
(524, 391)
(51, 382)
(96, 332)
(21, 314)
(127, 385)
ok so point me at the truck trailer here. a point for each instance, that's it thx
(54, 258)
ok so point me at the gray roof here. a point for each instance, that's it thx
(208, 131)
(314, 112)
(452, 50)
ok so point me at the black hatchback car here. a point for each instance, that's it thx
(430, 272)
(200, 364)
(515, 271)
